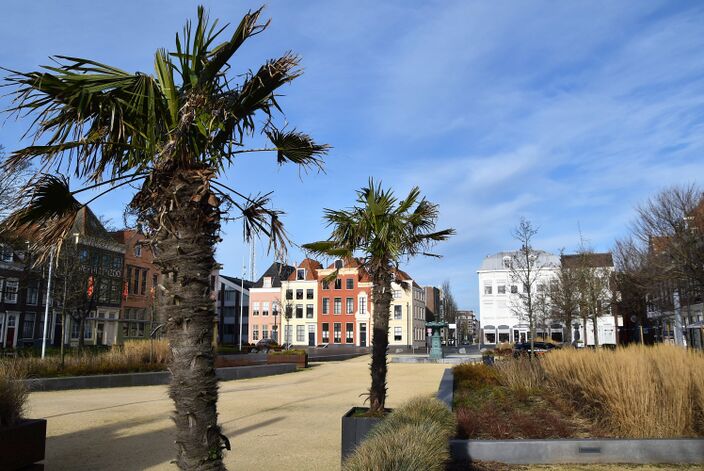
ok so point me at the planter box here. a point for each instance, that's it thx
(300, 360)
(355, 429)
(23, 444)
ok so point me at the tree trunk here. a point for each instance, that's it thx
(81, 333)
(186, 233)
(381, 294)
(595, 329)
(568, 322)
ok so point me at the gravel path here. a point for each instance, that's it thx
(289, 421)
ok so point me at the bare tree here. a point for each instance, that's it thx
(527, 266)
(593, 282)
(564, 295)
(449, 305)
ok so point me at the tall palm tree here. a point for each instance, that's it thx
(173, 133)
(381, 230)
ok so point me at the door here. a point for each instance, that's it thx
(523, 337)
(311, 335)
(99, 333)
(363, 335)
(10, 333)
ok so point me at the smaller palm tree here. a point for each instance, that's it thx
(381, 231)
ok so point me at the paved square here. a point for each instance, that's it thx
(288, 422)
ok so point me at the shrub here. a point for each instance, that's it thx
(288, 352)
(635, 392)
(420, 410)
(410, 447)
(13, 393)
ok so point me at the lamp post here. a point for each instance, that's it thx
(288, 313)
(275, 328)
(48, 302)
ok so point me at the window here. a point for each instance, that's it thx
(289, 294)
(265, 331)
(398, 311)
(28, 326)
(103, 290)
(6, 253)
(501, 289)
(309, 311)
(255, 332)
(349, 332)
(115, 292)
(487, 289)
(138, 250)
(265, 309)
(514, 289)
(362, 305)
(267, 282)
(301, 274)
(326, 305)
(11, 287)
(287, 333)
(397, 334)
(337, 332)
(255, 309)
(309, 294)
(337, 306)
(300, 333)
(338, 283)
(507, 262)
(76, 329)
(129, 280)
(274, 309)
(397, 294)
(33, 293)
(299, 294)
(143, 291)
(117, 262)
(299, 311)
(326, 285)
(338, 264)
(83, 256)
(135, 282)
(326, 332)
(350, 305)
(88, 332)
(349, 283)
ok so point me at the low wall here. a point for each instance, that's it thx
(567, 451)
(149, 379)
(563, 451)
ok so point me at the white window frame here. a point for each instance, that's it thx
(6, 295)
(398, 332)
(398, 312)
(300, 274)
(362, 305)
(255, 308)
(349, 305)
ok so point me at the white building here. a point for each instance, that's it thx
(499, 294)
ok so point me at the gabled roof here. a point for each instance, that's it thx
(311, 266)
(237, 281)
(496, 261)
(277, 271)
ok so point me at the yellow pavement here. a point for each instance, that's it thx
(289, 422)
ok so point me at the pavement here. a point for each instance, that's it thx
(289, 421)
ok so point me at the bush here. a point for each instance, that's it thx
(414, 437)
(418, 411)
(288, 352)
(13, 393)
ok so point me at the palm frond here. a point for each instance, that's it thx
(297, 147)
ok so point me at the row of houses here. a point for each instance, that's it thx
(103, 280)
(308, 304)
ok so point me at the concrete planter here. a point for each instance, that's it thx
(355, 429)
(22, 445)
(299, 360)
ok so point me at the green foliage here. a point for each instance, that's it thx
(288, 352)
(419, 411)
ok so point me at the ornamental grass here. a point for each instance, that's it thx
(13, 394)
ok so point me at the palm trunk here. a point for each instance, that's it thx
(381, 294)
(185, 254)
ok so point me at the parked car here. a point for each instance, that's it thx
(539, 348)
(264, 345)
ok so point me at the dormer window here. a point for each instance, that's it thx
(6, 253)
(507, 263)
(301, 274)
(338, 264)
(267, 282)
(138, 250)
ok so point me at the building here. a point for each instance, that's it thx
(466, 323)
(22, 297)
(300, 304)
(499, 298)
(265, 298)
(344, 304)
(232, 309)
(408, 312)
(138, 314)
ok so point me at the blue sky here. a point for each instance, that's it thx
(568, 113)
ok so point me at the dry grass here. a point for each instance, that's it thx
(635, 392)
(414, 437)
(13, 394)
(133, 356)
(523, 376)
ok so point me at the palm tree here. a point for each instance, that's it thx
(173, 133)
(381, 231)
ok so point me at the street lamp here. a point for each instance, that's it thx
(275, 328)
(288, 313)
